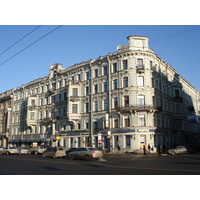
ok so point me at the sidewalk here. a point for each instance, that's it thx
(122, 154)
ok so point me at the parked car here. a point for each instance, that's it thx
(54, 152)
(178, 150)
(23, 150)
(1, 148)
(10, 150)
(86, 153)
(70, 150)
(37, 150)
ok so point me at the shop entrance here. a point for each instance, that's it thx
(142, 141)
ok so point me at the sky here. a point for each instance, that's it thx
(27, 51)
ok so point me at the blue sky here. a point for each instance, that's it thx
(178, 45)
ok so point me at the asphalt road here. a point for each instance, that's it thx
(187, 164)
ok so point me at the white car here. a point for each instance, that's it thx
(23, 150)
(86, 153)
(10, 150)
(178, 150)
(1, 148)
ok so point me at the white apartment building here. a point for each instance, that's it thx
(130, 97)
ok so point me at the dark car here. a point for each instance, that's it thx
(70, 150)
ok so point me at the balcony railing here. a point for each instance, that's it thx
(32, 107)
(140, 68)
(178, 99)
(139, 108)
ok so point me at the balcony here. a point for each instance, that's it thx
(148, 108)
(140, 69)
(178, 99)
(74, 98)
(32, 107)
(51, 91)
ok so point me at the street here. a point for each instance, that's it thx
(187, 164)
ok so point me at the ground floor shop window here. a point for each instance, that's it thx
(116, 141)
(79, 142)
(71, 142)
(106, 141)
(128, 140)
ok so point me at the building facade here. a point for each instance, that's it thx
(5, 117)
(130, 97)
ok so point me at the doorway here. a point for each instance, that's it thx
(142, 141)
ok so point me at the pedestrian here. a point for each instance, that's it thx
(149, 148)
(144, 148)
(119, 148)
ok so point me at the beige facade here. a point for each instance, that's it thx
(132, 94)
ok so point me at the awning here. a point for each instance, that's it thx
(34, 140)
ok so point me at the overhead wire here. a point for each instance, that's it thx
(31, 44)
(174, 34)
(20, 40)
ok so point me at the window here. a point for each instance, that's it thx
(125, 81)
(87, 107)
(59, 84)
(126, 100)
(96, 106)
(178, 108)
(105, 86)
(53, 86)
(64, 111)
(59, 97)
(95, 89)
(125, 64)
(65, 96)
(74, 108)
(53, 99)
(105, 69)
(106, 104)
(140, 64)
(115, 102)
(75, 92)
(96, 73)
(141, 100)
(151, 65)
(128, 140)
(114, 67)
(140, 80)
(86, 125)
(87, 90)
(32, 116)
(116, 123)
(141, 119)
(87, 75)
(59, 111)
(126, 121)
(177, 94)
(40, 114)
(115, 85)
(32, 102)
(96, 125)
